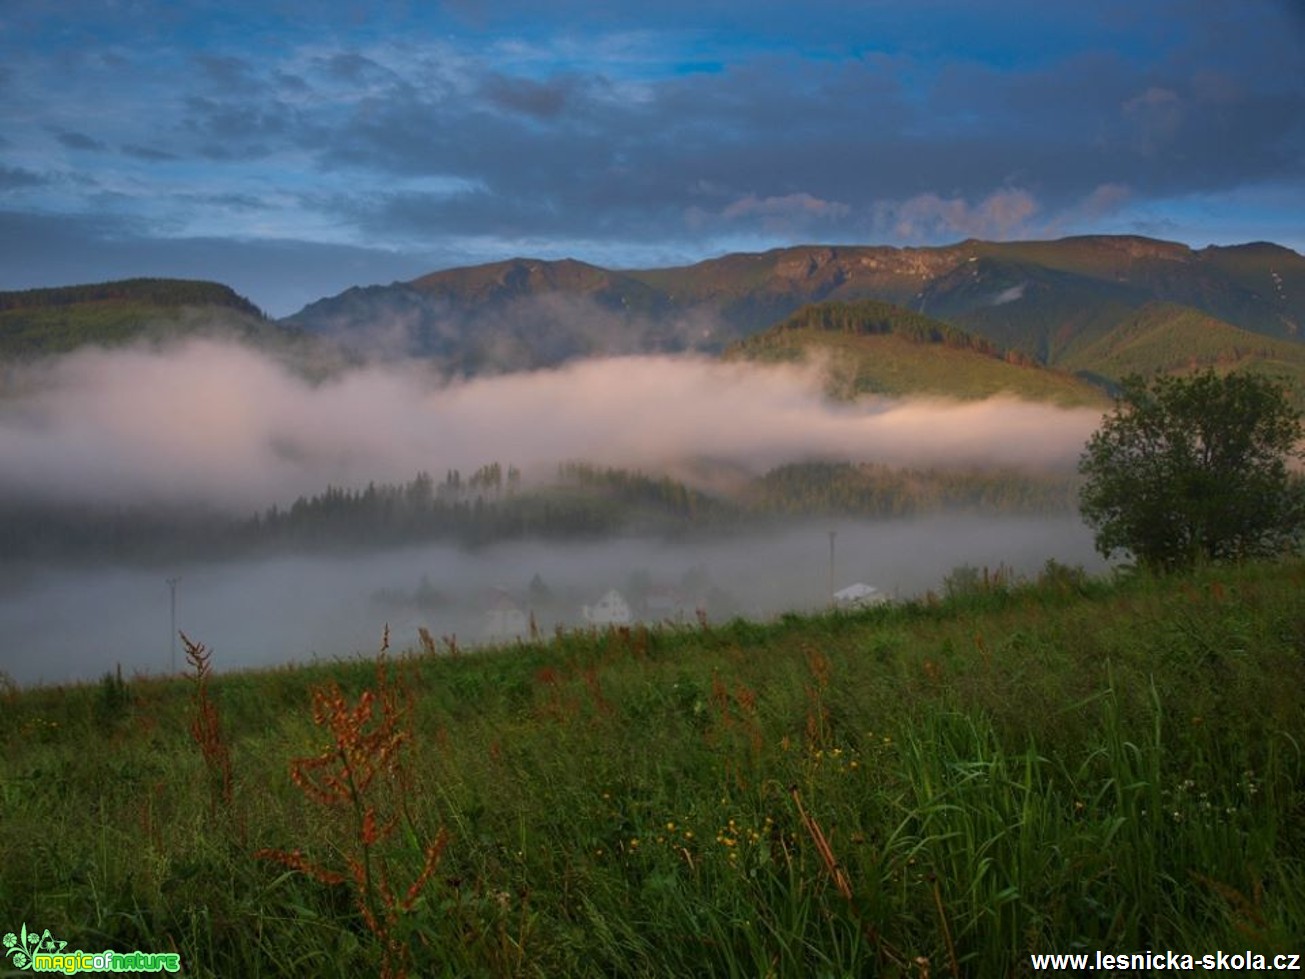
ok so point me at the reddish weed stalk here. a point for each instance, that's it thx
(206, 727)
(817, 715)
(355, 773)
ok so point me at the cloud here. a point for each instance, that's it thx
(785, 213)
(1155, 116)
(14, 178)
(1000, 215)
(1105, 200)
(594, 134)
(223, 424)
(78, 141)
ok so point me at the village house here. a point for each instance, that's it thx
(611, 609)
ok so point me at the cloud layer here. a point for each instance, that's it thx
(222, 424)
(629, 135)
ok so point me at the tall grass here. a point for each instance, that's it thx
(937, 788)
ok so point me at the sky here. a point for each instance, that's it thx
(292, 149)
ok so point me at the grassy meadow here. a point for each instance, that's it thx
(935, 788)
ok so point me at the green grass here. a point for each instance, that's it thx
(1050, 766)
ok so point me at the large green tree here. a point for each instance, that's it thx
(1195, 468)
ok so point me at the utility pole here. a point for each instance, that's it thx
(172, 584)
(832, 535)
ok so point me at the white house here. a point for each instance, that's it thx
(859, 595)
(612, 609)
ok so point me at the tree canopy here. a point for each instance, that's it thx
(1189, 469)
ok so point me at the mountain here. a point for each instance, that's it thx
(514, 315)
(868, 346)
(1098, 306)
(38, 322)
(1047, 300)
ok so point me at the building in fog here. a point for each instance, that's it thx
(859, 595)
(611, 609)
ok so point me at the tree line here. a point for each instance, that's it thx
(493, 503)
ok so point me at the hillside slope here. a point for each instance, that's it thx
(871, 347)
(38, 322)
(1172, 339)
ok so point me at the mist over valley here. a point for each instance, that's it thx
(61, 623)
(490, 445)
(286, 503)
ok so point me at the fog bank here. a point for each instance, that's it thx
(60, 624)
(219, 423)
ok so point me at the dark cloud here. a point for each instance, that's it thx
(149, 154)
(78, 141)
(16, 178)
(541, 100)
(227, 73)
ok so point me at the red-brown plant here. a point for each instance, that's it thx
(206, 727)
(362, 773)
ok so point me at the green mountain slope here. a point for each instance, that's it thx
(1173, 339)
(873, 347)
(38, 322)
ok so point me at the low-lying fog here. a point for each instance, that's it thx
(58, 625)
(223, 425)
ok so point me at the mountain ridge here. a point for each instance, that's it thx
(1058, 303)
(1046, 300)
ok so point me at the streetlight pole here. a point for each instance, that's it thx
(172, 585)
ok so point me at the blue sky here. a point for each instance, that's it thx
(293, 149)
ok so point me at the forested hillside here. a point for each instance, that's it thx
(37, 322)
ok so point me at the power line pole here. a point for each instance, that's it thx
(832, 535)
(172, 584)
